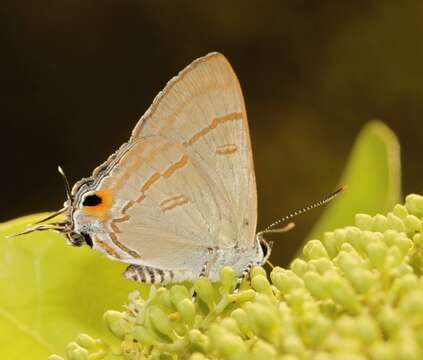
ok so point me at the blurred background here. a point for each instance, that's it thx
(77, 75)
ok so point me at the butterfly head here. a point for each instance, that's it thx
(65, 226)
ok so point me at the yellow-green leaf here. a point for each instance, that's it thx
(50, 292)
(373, 177)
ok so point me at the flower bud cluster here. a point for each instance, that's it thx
(356, 294)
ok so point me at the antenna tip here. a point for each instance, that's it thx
(344, 187)
(59, 169)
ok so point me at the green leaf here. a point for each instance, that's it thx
(50, 292)
(373, 177)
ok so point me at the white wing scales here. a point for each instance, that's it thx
(187, 181)
(203, 109)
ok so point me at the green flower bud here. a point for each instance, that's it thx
(341, 292)
(257, 270)
(76, 352)
(346, 326)
(187, 310)
(364, 221)
(377, 251)
(163, 297)
(227, 279)
(293, 345)
(262, 285)
(354, 237)
(286, 281)
(348, 261)
(86, 341)
(197, 338)
(330, 244)
(117, 323)
(339, 237)
(230, 325)
(418, 240)
(242, 296)
(393, 258)
(241, 318)
(400, 211)
(233, 347)
(395, 223)
(412, 223)
(316, 285)
(414, 204)
(412, 304)
(205, 291)
(314, 249)
(389, 320)
(362, 280)
(367, 330)
(161, 321)
(178, 293)
(296, 300)
(263, 351)
(318, 328)
(403, 243)
(380, 223)
(298, 266)
(320, 265)
(263, 321)
(142, 335)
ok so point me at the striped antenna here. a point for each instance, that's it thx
(302, 211)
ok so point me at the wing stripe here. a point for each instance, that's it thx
(173, 202)
(216, 122)
(226, 149)
(108, 249)
(175, 166)
(115, 240)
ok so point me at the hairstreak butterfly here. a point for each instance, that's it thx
(178, 200)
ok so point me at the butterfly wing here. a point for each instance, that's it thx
(159, 208)
(203, 110)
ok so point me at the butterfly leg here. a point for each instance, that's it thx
(205, 270)
(148, 275)
(245, 273)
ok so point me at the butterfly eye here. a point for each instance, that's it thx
(92, 200)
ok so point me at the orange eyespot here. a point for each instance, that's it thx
(97, 203)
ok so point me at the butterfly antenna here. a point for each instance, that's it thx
(67, 186)
(299, 212)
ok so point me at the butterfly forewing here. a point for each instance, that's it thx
(203, 110)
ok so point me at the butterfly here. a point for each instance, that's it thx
(178, 200)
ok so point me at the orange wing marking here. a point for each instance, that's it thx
(226, 149)
(108, 249)
(115, 240)
(150, 181)
(173, 202)
(214, 124)
(172, 168)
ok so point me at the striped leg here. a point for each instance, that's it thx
(244, 274)
(148, 275)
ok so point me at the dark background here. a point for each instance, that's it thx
(77, 75)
